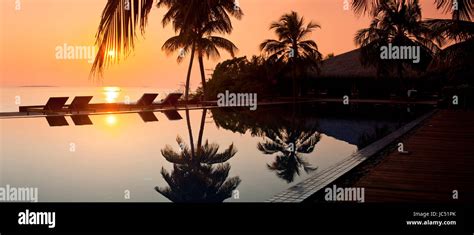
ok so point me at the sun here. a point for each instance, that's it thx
(111, 53)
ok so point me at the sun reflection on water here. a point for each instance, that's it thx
(111, 120)
(111, 94)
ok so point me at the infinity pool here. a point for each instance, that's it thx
(245, 156)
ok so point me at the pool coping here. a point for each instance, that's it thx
(319, 180)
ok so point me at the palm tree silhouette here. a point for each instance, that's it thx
(200, 174)
(292, 45)
(194, 20)
(464, 9)
(459, 55)
(204, 44)
(289, 144)
(400, 24)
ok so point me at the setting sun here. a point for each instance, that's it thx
(111, 53)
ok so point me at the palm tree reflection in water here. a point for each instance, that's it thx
(290, 144)
(199, 172)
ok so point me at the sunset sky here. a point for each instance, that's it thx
(29, 37)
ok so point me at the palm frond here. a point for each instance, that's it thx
(117, 31)
(464, 9)
(225, 44)
(457, 30)
(221, 157)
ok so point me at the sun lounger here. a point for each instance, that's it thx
(80, 103)
(148, 116)
(145, 101)
(54, 104)
(170, 100)
(80, 120)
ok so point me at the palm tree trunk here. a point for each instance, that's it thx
(293, 78)
(293, 69)
(188, 77)
(203, 75)
(201, 129)
(190, 131)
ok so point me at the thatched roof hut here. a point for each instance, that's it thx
(346, 64)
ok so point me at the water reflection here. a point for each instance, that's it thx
(292, 131)
(172, 115)
(148, 116)
(111, 120)
(111, 94)
(287, 134)
(289, 144)
(200, 173)
(56, 121)
(80, 120)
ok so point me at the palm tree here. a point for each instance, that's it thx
(459, 56)
(464, 10)
(292, 45)
(200, 173)
(289, 144)
(121, 19)
(204, 44)
(400, 24)
(195, 21)
(459, 29)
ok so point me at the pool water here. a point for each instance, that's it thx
(237, 155)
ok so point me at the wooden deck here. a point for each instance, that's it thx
(441, 160)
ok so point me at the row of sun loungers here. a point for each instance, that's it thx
(81, 103)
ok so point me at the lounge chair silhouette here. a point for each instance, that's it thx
(80, 103)
(170, 100)
(54, 104)
(145, 101)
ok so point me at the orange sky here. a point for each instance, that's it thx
(29, 36)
